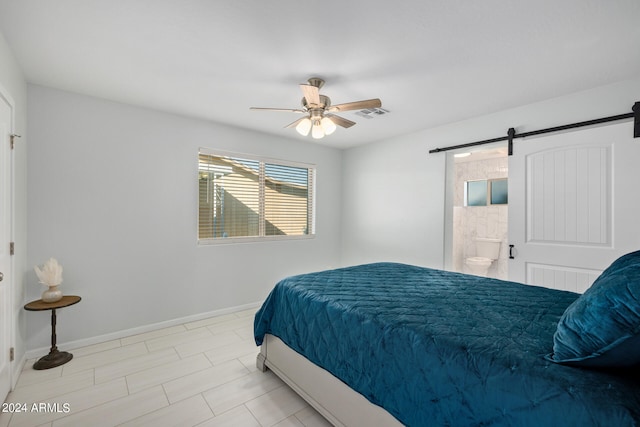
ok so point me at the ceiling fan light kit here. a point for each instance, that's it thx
(317, 108)
(316, 130)
(328, 126)
(304, 127)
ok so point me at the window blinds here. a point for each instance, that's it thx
(240, 197)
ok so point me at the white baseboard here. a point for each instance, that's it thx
(39, 352)
(17, 370)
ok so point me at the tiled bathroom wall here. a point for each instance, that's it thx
(470, 222)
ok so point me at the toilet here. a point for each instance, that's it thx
(487, 251)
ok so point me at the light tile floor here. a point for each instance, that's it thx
(197, 374)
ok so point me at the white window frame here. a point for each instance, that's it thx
(261, 237)
(489, 183)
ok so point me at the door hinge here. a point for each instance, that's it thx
(13, 137)
(12, 354)
(12, 248)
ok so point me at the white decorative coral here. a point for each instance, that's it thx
(50, 274)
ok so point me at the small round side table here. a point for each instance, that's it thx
(55, 357)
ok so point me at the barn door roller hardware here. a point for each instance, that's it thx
(511, 133)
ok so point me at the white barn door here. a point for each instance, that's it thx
(574, 204)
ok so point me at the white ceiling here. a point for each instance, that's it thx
(431, 62)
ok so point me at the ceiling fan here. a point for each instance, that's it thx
(318, 110)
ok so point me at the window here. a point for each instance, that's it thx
(499, 191)
(486, 192)
(476, 193)
(244, 198)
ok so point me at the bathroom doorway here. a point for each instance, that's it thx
(477, 219)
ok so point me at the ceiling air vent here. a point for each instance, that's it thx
(370, 113)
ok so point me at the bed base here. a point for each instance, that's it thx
(333, 399)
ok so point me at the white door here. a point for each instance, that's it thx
(5, 238)
(574, 203)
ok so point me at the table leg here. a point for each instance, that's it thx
(54, 318)
(55, 357)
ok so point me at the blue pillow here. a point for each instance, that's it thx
(632, 258)
(602, 327)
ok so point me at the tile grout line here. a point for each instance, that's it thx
(209, 406)
(238, 337)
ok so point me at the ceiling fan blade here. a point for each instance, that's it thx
(294, 124)
(311, 94)
(357, 105)
(287, 110)
(340, 121)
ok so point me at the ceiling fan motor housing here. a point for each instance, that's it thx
(325, 102)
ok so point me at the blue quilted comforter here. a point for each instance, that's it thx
(445, 349)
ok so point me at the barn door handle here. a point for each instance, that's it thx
(511, 252)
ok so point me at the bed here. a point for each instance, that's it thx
(395, 344)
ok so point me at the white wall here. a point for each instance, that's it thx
(113, 196)
(393, 192)
(392, 207)
(12, 81)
